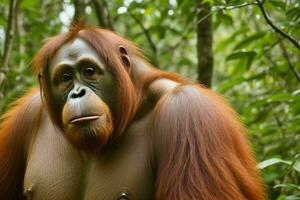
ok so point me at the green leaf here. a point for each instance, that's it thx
(288, 186)
(296, 166)
(249, 40)
(237, 55)
(292, 197)
(280, 97)
(243, 55)
(227, 20)
(273, 161)
(224, 18)
(278, 4)
(231, 83)
(296, 92)
(210, 2)
(149, 11)
(270, 177)
(293, 13)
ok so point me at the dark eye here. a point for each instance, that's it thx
(89, 71)
(66, 77)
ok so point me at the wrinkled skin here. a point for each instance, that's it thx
(83, 86)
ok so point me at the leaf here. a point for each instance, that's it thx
(280, 97)
(292, 197)
(237, 55)
(279, 4)
(234, 2)
(224, 18)
(185, 6)
(261, 116)
(161, 32)
(296, 166)
(230, 83)
(273, 161)
(149, 11)
(228, 41)
(227, 20)
(293, 13)
(210, 2)
(249, 40)
(288, 186)
(243, 55)
(296, 92)
(270, 177)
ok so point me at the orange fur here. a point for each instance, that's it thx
(205, 155)
(106, 44)
(16, 129)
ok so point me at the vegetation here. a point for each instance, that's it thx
(253, 59)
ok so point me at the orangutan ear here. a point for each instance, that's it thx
(125, 58)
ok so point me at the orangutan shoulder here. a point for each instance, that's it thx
(160, 87)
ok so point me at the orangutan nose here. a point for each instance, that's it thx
(78, 93)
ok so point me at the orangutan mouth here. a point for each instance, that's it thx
(84, 119)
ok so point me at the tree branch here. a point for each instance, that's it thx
(291, 66)
(292, 40)
(9, 38)
(79, 14)
(183, 38)
(108, 16)
(265, 15)
(218, 8)
(204, 45)
(280, 125)
(147, 35)
(102, 13)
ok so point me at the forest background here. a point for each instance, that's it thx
(247, 50)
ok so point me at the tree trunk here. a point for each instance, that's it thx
(9, 41)
(103, 15)
(204, 44)
(79, 14)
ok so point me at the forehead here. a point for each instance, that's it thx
(74, 51)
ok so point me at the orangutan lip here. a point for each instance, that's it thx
(84, 119)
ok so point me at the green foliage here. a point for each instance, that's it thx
(32, 28)
(250, 66)
(253, 72)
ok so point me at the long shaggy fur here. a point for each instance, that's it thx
(206, 155)
(17, 127)
(200, 148)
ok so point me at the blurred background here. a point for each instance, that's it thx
(248, 51)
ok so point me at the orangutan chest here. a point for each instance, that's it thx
(55, 170)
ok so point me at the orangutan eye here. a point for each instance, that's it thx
(66, 77)
(89, 71)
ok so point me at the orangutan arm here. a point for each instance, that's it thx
(200, 149)
(16, 129)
